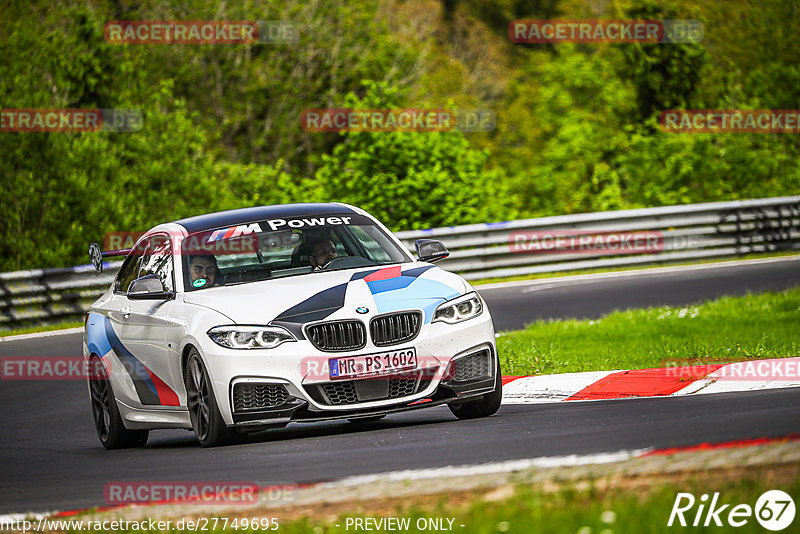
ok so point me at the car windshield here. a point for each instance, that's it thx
(278, 248)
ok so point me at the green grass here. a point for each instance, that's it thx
(571, 511)
(576, 272)
(765, 325)
(40, 328)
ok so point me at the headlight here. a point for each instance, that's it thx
(459, 309)
(249, 337)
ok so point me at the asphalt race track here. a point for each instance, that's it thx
(52, 459)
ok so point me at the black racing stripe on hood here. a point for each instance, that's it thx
(415, 272)
(363, 274)
(316, 307)
(295, 328)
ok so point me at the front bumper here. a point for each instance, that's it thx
(449, 389)
(287, 389)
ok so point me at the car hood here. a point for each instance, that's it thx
(294, 301)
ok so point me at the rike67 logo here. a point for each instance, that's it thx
(774, 510)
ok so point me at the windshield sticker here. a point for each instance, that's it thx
(307, 223)
(200, 282)
(235, 231)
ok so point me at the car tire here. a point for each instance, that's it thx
(207, 423)
(484, 407)
(107, 420)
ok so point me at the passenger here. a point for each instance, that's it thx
(204, 268)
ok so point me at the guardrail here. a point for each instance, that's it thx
(493, 250)
(683, 233)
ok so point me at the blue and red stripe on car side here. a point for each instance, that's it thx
(102, 340)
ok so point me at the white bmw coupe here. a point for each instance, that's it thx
(249, 319)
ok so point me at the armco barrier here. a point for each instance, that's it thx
(688, 232)
(46, 296)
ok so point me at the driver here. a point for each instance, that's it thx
(203, 270)
(322, 252)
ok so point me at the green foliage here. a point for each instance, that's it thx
(576, 124)
(63, 190)
(690, 168)
(578, 130)
(432, 178)
(777, 85)
(665, 76)
(632, 496)
(254, 95)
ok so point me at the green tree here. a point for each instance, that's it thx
(665, 76)
(62, 190)
(412, 179)
(579, 116)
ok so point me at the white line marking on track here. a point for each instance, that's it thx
(36, 335)
(489, 468)
(438, 472)
(18, 518)
(598, 277)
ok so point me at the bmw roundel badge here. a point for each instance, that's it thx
(362, 310)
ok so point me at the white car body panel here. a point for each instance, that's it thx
(144, 342)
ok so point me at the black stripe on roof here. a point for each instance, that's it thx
(224, 219)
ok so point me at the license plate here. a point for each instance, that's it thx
(378, 364)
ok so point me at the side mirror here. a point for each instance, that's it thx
(149, 287)
(431, 250)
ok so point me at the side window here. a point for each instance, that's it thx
(129, 272)
(157, 259)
